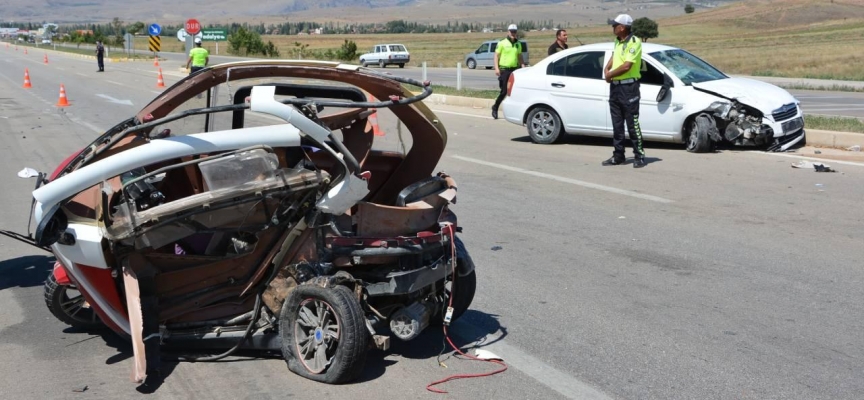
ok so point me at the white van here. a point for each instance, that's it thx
(484, 56)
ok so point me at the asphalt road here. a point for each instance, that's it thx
(725, 275)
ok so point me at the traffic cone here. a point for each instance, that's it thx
(27, 79)
(373, 118)
(62, 101)
(46, 58)
(25, 50)
(159, 81)
(155, 61)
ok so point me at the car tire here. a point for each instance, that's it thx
(544, 125)
(463, 289)
(324, 310)
(382, 64)
(363, 63)
(471, 64)
(71, 310)
(698, 140)
(402, 65)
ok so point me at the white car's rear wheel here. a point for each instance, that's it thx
(544, 125)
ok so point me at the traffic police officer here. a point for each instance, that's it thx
(508, 57)
(623, 73)
(199, 57)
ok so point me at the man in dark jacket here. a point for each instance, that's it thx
(560, 42)
(100, 55)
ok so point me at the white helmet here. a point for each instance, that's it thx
(198, 40)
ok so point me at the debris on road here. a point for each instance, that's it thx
(496, 248)
(80, 389)
(818, 167)
(854, 148)
(817, 152)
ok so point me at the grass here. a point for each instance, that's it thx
(478, 93)
(841, 124)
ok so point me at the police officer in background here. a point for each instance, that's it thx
(100, 56)
(508, 57)
(623, 73)
(199, 57)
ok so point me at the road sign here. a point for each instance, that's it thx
(181, 35)
(214, 35)
(192, 26)
(154, 30)
(128, 42)
(155, 43)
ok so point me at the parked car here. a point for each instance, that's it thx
(46, 41)
(484, 56)
(386, 54)
(684, 100)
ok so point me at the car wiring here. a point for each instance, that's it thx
(502, 366)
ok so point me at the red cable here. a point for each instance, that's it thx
(430, 387)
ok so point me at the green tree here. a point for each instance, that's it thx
(348, 51)
(689, 9)
(135, 28)
(117, 27)
(645, 28)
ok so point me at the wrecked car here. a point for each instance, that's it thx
(684, 100)
(248, 206)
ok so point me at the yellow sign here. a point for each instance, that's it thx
(155, 43)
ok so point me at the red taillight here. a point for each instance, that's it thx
(510, 82)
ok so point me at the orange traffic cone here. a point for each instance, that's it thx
(62, 101)
(25, 50)
(46, 58)
(373, 118)
(159, 81)
(155, 61)
(27, 79)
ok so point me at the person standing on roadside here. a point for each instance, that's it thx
(100, 56)
(199, 57)
(560, 42)
(623, 74)
(508, 57)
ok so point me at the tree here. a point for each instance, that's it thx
(645, 28)
(117, 26)
(135, 28)
(348, 51)
(689, 9)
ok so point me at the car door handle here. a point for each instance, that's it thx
(558, 84)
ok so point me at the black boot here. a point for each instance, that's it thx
(639, 162)
(613, 161)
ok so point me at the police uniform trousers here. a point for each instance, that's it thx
(624, 108)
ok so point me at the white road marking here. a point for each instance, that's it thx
(154, 91)
(82, 74)
(567, 180)
(462, 114)
(116, 101)
(555, 379)
(824, 160)
(116, 83)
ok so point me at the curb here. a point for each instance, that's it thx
(840, 140)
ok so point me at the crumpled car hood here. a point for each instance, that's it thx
(763, 96)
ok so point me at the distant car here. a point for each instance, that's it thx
(684, 100)
(46, 41)
(484, 56)
(386, 54)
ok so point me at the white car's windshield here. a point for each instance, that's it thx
(397, 48)
(687, 67)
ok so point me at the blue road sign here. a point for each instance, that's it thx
(154, 29)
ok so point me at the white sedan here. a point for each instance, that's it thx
(684, 100)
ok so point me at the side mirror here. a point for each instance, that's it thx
(664, 90)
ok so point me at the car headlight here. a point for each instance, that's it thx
(721, 108)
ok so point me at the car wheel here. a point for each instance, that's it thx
(698, 140)
(402, 65)
(67, 304)
(363, 63)
(488, 67)
(381, 64)
(544, 125)
(471, 64)
(324, 334)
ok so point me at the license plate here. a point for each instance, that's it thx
(793, 125)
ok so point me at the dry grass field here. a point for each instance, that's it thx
(790, 38)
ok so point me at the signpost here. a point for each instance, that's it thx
(214, 35)
(154, 30)
(192, 26)
(129, 43)
(155, 41)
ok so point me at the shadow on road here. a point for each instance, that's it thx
(602, 142)
(27, 271)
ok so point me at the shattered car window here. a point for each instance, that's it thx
(687, 67)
